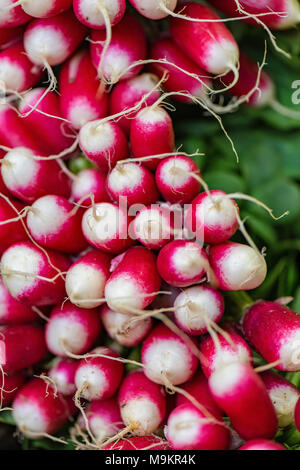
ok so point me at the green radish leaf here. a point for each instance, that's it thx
(225, 180)
(7, 418)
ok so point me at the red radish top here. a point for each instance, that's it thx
(91, 13)
(12, 17)
(139, 443)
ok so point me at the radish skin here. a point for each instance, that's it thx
(297, 415)
(9, 387)
(262, 444)
(100, 376)
(90, 13)
(71, 329)
(104, 418)
(165, 354)
(21, 346)
(46, 8)
(15, 16)
(152, 9)
(11, 232)
(153, 226)
(28, 288)
(134, 283)
(13, 312)
(63, 375)
(139, 443)
(142, 404)
(86, 279)
(9, 36)
(283, 338)
(80, 103)
(87, 182)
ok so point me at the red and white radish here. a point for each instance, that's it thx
(86, 279)
(236, 266)
(224, 351)
(80, 103)
(167, 357)
(62, 373)
(29, 178)
(71, 329)
(138, 443)
(152, 133)
(262, 444)
(182, 263)
(34, 276)
(21, 346)
(239, 391)
(103, 417)
(297, 415)
(38, 410)
(46, 8)
(128, 93)
(132, 182)
(174, 180)
(122, 328)
(17, 72)
(282, 342)
(212, 217)
(127, 46)
(154, 9)
(103, 143)
(196, 307)
(97, 14)
(189, 428)
(153, 226)
(11, 16)
(99, 377)
(54, 224)
(9, 387)
(13, 231)
(142, 404)
(284, 396)
(134, 283)
(87, 182)
(13, 312)
(210, 44)
(181, 71)
(105, 226)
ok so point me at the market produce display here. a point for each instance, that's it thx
(131, 306)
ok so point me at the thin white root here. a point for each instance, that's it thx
(105, 14)
(160, 156)
(39, 435)
(268, 366)
(284, 110)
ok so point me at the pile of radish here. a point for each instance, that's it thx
(114, 280)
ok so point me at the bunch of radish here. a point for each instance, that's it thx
(133, 251)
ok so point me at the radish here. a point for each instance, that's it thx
(167, 357)
(99, 377)
(34, 276)
(134, 283)
(105, 226)
(50, 130)
(188, 428)
(133, 182)
(96, 14)
(62, 373)
(223, 351)
(103, 143)
(3, 189)
(9, 387)
(262, 444)
(297, 415)
(210, 44)
(237, 266)
(71, 329)
(282, 342)
(21, 346)
(80, 103)
(13, 312)
(29, 178)
(152, 133)
(86, 279)
(174, 180)
(182, 71)
(142, 404)
(212, 217)
(284, 396)
(11, 16)
(104, 418)
(154, 226)
(123, 328)
(154, 9)
(286, 12)
(198, 388)
(13, 231)
(197, 307)
(182, 263)
(54, 224)
(17, 72)
(50, 41)
(38, 411)
(44, 9)
(240, 392)
(128, 93)
(21, 136)
(87, 182)
(127, 45)
(9, 36)
(138, 443)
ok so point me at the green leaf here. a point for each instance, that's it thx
(262, 228)
(7, 418)
(80, 163)
(225, 180)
